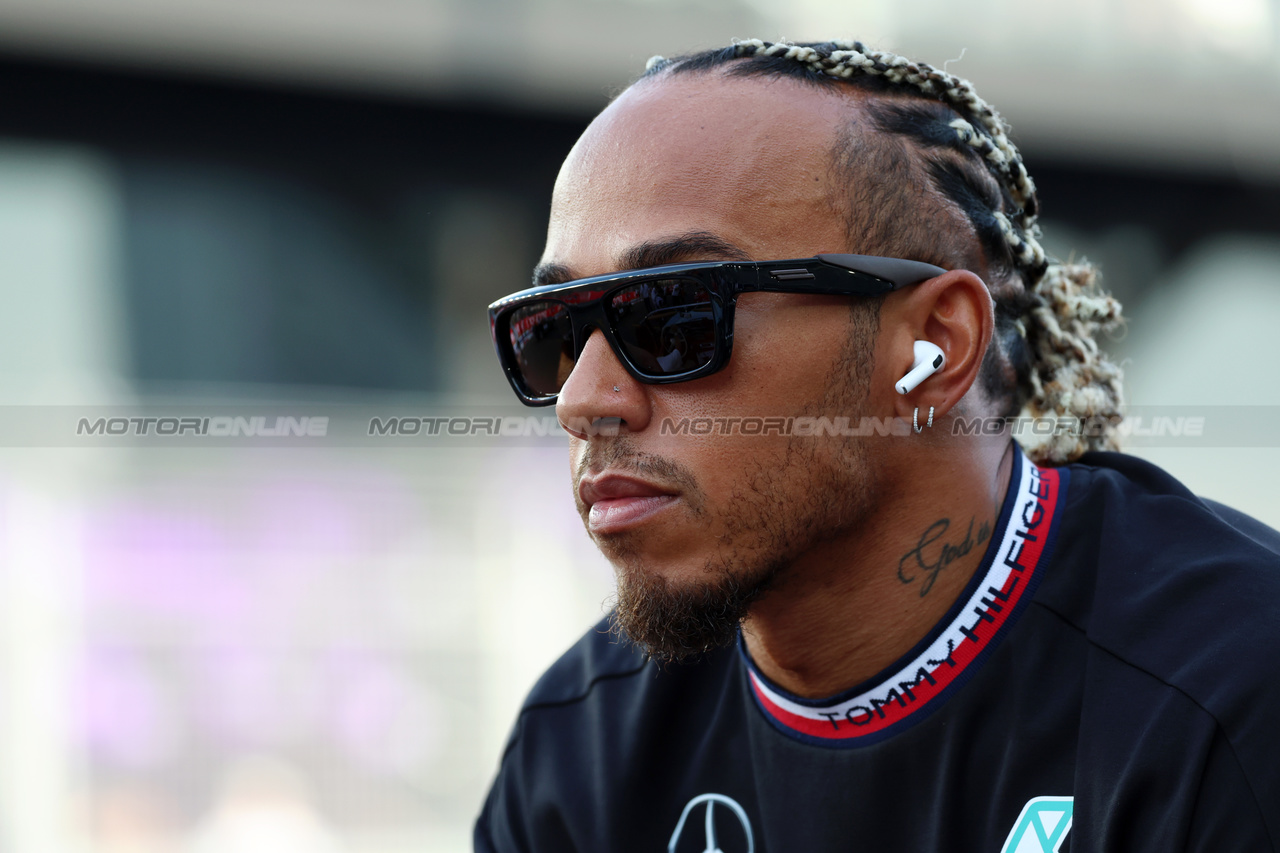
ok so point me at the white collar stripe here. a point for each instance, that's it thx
(947, 659)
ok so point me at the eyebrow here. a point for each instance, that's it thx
(690, 246)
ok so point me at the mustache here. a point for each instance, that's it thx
(620, 455)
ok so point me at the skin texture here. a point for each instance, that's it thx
(815, 529)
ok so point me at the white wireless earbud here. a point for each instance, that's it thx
(928, 359)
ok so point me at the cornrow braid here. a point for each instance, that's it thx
(1045, 361)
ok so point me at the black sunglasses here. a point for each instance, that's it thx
(665, 324)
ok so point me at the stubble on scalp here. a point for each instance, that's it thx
(824, 488)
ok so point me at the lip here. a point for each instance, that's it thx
(616, 503)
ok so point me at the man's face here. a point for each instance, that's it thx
(698, 526)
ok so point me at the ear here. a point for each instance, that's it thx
(953, 311)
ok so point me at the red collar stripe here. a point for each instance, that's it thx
(898, 696)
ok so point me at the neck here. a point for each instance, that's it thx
(850, 608)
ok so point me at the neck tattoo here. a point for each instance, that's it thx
(933, 552)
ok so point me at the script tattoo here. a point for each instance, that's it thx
(929, 557)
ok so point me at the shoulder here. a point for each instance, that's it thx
(601, 710)
(605, 689)
(1139, 512)
(1179, 599)
(598, 681)
(604, 701)
(545, 763)
(1150, 569)
(600, 655)
(1187, 588)
(1155, 560)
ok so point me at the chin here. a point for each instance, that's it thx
(677, 612)
(678, 561)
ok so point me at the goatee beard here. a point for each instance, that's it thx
(677, 622)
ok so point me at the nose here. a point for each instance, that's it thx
(588, 404)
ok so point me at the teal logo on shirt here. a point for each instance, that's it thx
(1042, 826)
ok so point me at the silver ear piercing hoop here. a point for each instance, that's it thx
(915, 419)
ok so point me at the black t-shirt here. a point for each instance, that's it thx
(1108, 681)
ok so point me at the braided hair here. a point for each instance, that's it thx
(1044, 360)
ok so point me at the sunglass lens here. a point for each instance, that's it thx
(542, 343)
(667, 327)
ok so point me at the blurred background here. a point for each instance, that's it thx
(269, 208)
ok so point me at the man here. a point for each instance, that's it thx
(787, 291)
